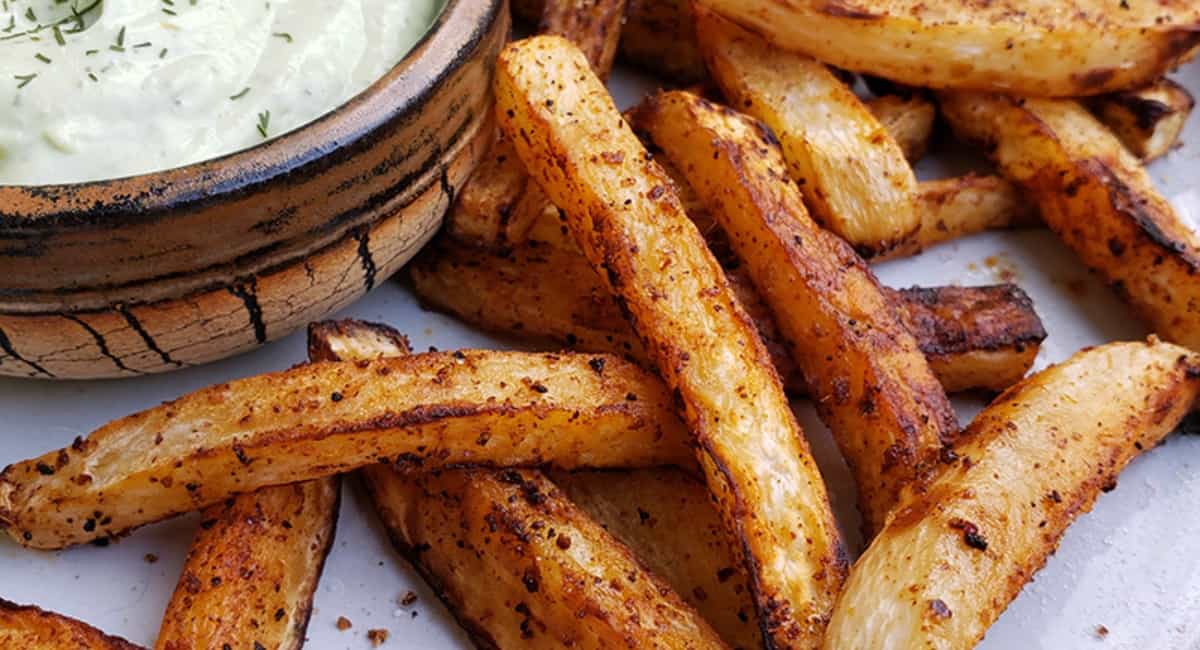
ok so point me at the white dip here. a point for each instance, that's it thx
(97, 89)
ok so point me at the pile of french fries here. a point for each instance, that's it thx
(697, 261)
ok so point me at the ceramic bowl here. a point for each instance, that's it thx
(164, 270)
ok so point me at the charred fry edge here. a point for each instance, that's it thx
(1148, 120)
(976, 338)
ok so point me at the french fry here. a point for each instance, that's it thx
(667, 518)
(252, 570)
(498, 204)
(658, 36)
(1096, 197)
(498, 408)
(908, 119)
(491, 514)
(1148, 120)
(632, 228)
(1044, 48)
(976, 338)
(959, 550)
(854, 176)
(953, 208)
(868, 378)
(26, 626)
(554, 576)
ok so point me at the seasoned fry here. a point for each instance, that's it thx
(252, 570)
(436, 512)
(553, 576)
(658, 36)
(954, 555)
(26, 626)
(630, 224)
(322, 419)
(954, 208)
(667, 518)
(498, 204)
(853, 174)
(1147, 120)
(908, 119)
(869, 381)
(1044, 47)
(1096, 197)
(974, 338)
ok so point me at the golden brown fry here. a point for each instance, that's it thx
(954, 208)
(953, 556)
(869, 381)
(1096, 197)
(658, 36)
(498, 204)
(667, 518)
(435, 513)
(252, 570)
(1148, 120)
(521, 566)
(974, 338)
(321, 419)
(1045, 47)
(908, 119)
(25, 627)
(632, 228)
(853, 174)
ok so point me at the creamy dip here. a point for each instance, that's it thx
(97, 89)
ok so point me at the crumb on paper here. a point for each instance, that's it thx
(1101, 631)
(377, 637)
(1002, 268)
(343, 623)
(408, 599)
(150, 558)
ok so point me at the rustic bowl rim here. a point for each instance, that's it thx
(399, 94)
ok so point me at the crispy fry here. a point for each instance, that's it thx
(1148, 120)
(853, 174)
(329, 418)
(26, 626)
(909, 120)
(632, 228)
(252, 570)
(868, 379)
(952, 558)
(553, 576)
(1096, 197)
(667, 518)
(658, 36)
(974, 338)
(498, 204)
(435, 513)
(1046, 47)
(954, 208)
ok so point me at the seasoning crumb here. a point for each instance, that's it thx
(150, 558)
(377, 637)
(1101, 631)
(408, 599)
(344, 623)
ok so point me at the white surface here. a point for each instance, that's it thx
(1132, 565)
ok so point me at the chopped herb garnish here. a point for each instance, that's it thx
(240, 94)
(264, 121)
(42, 57)
(284, 35)
(24, 79)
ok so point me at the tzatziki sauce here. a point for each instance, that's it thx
(101, 89)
